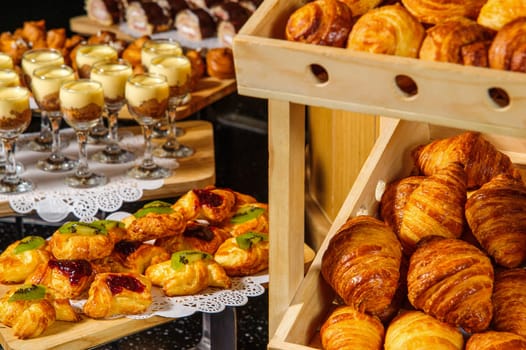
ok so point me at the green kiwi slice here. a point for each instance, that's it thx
(29, 243)
(158, 207)
(28, 292)
(82, 228)
(107, 224)
(247, 240)
(246, 213)
(184, 257)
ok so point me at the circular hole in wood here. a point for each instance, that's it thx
(499, 96)
(406, 84)
(319, 73)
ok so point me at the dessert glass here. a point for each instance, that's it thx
(6, 62)
(8, 77)
(177, 69)
(81, 103)
(45, 83)
(31, 60)
(15, 117)
(147, 97)
(112, 75)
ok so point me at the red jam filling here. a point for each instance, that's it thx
(117, 283)
(74, 269)
(209, 198)
(126, 247)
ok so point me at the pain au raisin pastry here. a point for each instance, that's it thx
(115, 293)
(21, 258)
(496, 215)
(452, 281)
(480, 158)
(244, 255)
(496, 13)
(389, 30)
(436, 11)
(362, 264)
(417, 330)
(508, 49)
(443, 41)
(188, 272)
(320, 22)
(211, 203)
(349, 329)
(493, 340)
(509, 301)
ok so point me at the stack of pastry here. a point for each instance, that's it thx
(450, 239)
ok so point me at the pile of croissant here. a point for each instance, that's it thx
(482, 33)
(204, 239)
(441, 264)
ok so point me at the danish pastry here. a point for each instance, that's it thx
(248, 217)
(210, 203)
(113, 294)
(493, 340)
(509, 301)
(508, 49)
(21, 258)
(436, 11)
(496, 13)
(244, 255)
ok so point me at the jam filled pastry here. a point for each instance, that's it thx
(248, 217)
(244, 255)
(114, 294)
(188, 272)
(155, 220)
(21, 258)
(210, 203)
(68, 279)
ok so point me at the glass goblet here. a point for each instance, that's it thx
(177, 70)
(6, 61)
(45, 84)
(81, 103)
(113, 75)
(15, 117)
(147, 98)
(31, 60)
(8, 77)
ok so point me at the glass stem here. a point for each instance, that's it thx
(82, 168)
(55, 118)
(171, 140)
(45, 128)
(10, 175)
(113, 146)
(147, 161)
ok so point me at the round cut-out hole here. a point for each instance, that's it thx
(319, 73)
(406, 84)
(499, 96)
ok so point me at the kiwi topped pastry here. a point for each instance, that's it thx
(21, 258)
(244, 255)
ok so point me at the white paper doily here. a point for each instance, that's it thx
(53, 201)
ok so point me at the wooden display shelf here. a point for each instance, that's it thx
(84, 25)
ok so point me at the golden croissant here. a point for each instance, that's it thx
(362, 264)
(389, 30)
(508, 49)
(452, 280)
(496, 13)
(509, 301)
(436, 11)
(494, 340)
(349, 329)
(496, 215)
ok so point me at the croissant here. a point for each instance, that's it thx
(320, 22)
(443, 41)
(508, 49)
(389, 29)
(492, 340)
(436, 11)
(476, 54)
(349, 329)
(480, 158)
(509, 301)
(496, 215)
(417, 330)
(496, 13)
(362, 264)
(451, 280)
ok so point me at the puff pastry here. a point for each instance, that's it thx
(248, 217)
(244, 255)
(509, 301)
(496, 215)
(320, 22)
(416, 330)
(349, 329)
(476, 54)
(493, 340)
(362, 264)
(436, 11)
(496, 13)
(359, 7)
(210, 203)
(389, 29)
(21, 258)
(452, 281)
(508, 49)
(118, 294)
(443, 41)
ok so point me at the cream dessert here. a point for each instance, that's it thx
(147, 95)
(112, 75)
(81, 102)
(46, 82)
(155, 47)
(176, 69)
(35, 58)
(6, 62)
(15, 113)
(87, 55)
(9, 77)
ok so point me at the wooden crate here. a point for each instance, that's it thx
(389, 160)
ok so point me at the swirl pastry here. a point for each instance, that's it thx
(248, 217)
(452, 281)
(210, 203)
(21, 258)
(244, 255)
(320, 22)
(443, 41)
(118, 294)
(188, 272)
(436, 11)
(362, 264)
(496, 13)
(416, 330)
(508, 49)
(509, 301)
(359, 7)
(493, 340)
(349, 329)
(476, 54)
(496, 215)
(389, 29)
